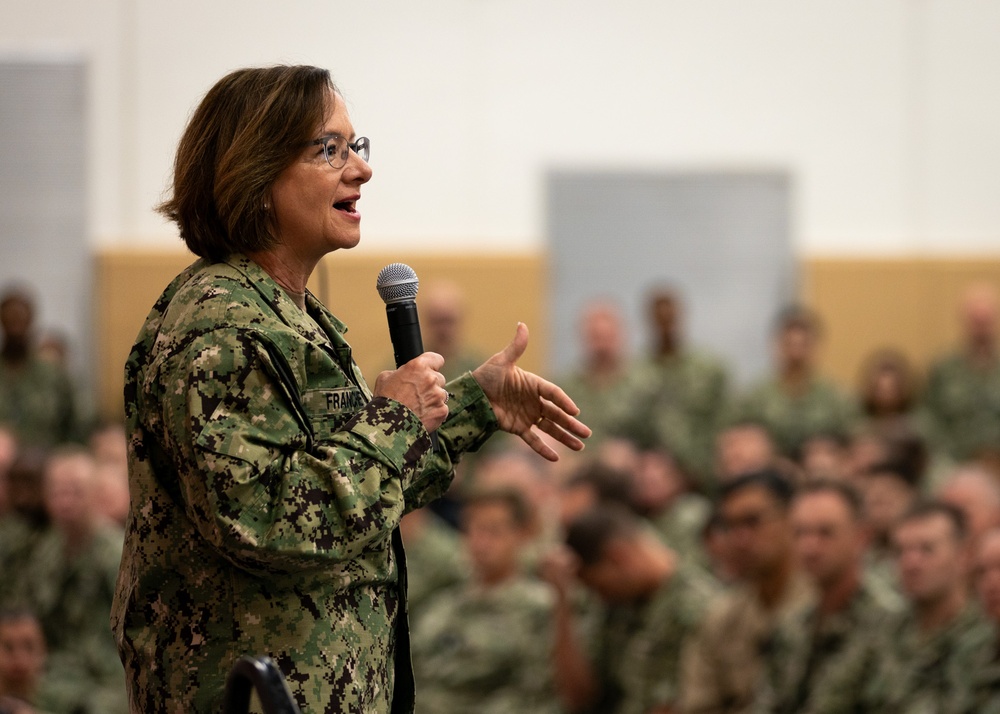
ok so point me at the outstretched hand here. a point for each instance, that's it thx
(524, 402)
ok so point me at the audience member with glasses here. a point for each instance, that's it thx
(267, 480)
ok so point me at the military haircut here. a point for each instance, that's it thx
(612, 485)
(18, 613)
(923, 510)
(17, 295)
(590, 532)
(249, 127)
(510, 498)
(776, 485)
(798, 317)
(844, 491)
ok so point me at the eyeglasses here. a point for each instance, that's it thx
(336, 148)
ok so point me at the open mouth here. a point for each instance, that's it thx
(345, 206)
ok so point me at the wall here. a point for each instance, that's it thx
(500, 290)
(884, 113)
(866, 304)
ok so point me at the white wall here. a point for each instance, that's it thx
(886, 111)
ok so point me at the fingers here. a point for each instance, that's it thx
(516, 347)
(562, 435)
(538, 445)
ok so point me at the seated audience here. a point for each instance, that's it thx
(810, 647)
(36, 397)
(743, 447)
(22, 664)
(71, 584)
(484, 645)
(929, 657)
(600, 384)
(962, 397)
(109, 446)
(434, 560)
(975, 491)
(725, 660)
(888, 391)
(653, 603)
(22, 526)
(678, 394)
(987, 574)
(796, 402)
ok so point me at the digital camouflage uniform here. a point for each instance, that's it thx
(639, 645)
(434, 562)
(793, 419)
(486, 651)
(677, 403)
(724, 663)
(37, 400)
(808, 649)
(266, 489)
(987, 682)
(603, 407)
(18, 537)
(905, 671)
(681, 525)
(71, 594)
(963, 406)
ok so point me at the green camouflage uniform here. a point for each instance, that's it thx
(792, 419)
(681, 525)
(434, 562)
(37, 400)
(603, 407)
(72, 597)
(963, 406)
(987, 682)
(18, 538)
(808, 649)
(901, 670)
(266, 489)
(639, 645)
(724, 663)
(486, 651)
(677, 403)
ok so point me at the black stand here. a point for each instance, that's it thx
(262, 674)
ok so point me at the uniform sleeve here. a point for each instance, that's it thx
(253, 481)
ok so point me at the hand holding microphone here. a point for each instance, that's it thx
(417, 382)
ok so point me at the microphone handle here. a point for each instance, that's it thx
(404, 331)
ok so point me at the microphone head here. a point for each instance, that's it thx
(397, 283)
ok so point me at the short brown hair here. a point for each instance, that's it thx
(248, 129)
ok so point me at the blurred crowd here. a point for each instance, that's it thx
(789, 546)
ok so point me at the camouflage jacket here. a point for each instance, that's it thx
(963, 407)
(792, 419)
(38, 401)
(677, 403)
(905, 671)
(724, 663)
(481, 650)
(266, 488)
(808, 650)
(639, 645)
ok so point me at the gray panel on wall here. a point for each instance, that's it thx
(43, 165)
(721, 239)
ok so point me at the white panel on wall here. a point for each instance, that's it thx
(43, 164)
(722, 240)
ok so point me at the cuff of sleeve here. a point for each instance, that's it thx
(393, 430)
(471, 420)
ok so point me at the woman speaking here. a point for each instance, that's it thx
(267, 480)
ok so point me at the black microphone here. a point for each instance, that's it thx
(397, 285)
